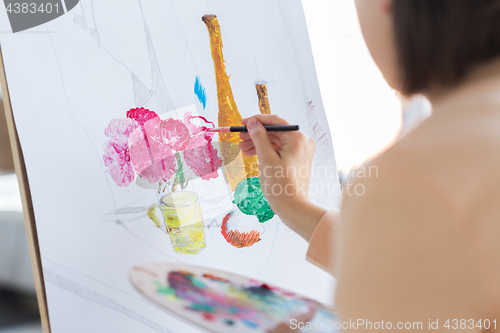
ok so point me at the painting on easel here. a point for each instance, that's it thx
(122, 168)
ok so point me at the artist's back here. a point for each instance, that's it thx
(423, 242)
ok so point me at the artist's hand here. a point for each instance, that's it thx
(285, 160)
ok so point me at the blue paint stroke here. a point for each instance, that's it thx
(199, 90)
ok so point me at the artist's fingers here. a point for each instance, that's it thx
(292, 142)
(267, 119)
(285, 141)
(252, 151)
(275, 139)
(246, 145)
(266, 153)
(249, 152)
(273, 136)
(245, 136)
(280, 138)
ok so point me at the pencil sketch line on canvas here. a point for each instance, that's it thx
(90, 295)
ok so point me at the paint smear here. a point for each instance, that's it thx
(218, 299)
(238, 238)
(236, 166)
(261, 88)
(215, 278)
(199, 91)
(251, 201)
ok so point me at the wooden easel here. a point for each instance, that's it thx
(29, 216)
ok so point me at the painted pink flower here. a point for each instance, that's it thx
(116, 151)
(203, 160)
(198, 134)
(120, 129)
(160, 170)
(150, 156)
(141, 115)
(174, 133)
(144, 144)
(200, 155)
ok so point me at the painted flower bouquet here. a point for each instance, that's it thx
(158, 150)
(143, 145)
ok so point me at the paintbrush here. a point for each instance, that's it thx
(269, 128)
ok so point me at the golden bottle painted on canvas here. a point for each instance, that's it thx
(261, 87)
(236, 165)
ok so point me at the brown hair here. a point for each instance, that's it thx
(439, 41)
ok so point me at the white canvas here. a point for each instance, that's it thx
(70, 77)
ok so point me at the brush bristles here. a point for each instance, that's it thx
(220, 129)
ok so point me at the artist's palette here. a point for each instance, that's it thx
(223, 302)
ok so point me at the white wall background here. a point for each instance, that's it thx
(364, 114)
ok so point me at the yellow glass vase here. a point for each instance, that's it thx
(183, 221)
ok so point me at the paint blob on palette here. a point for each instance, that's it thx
(224, 302)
